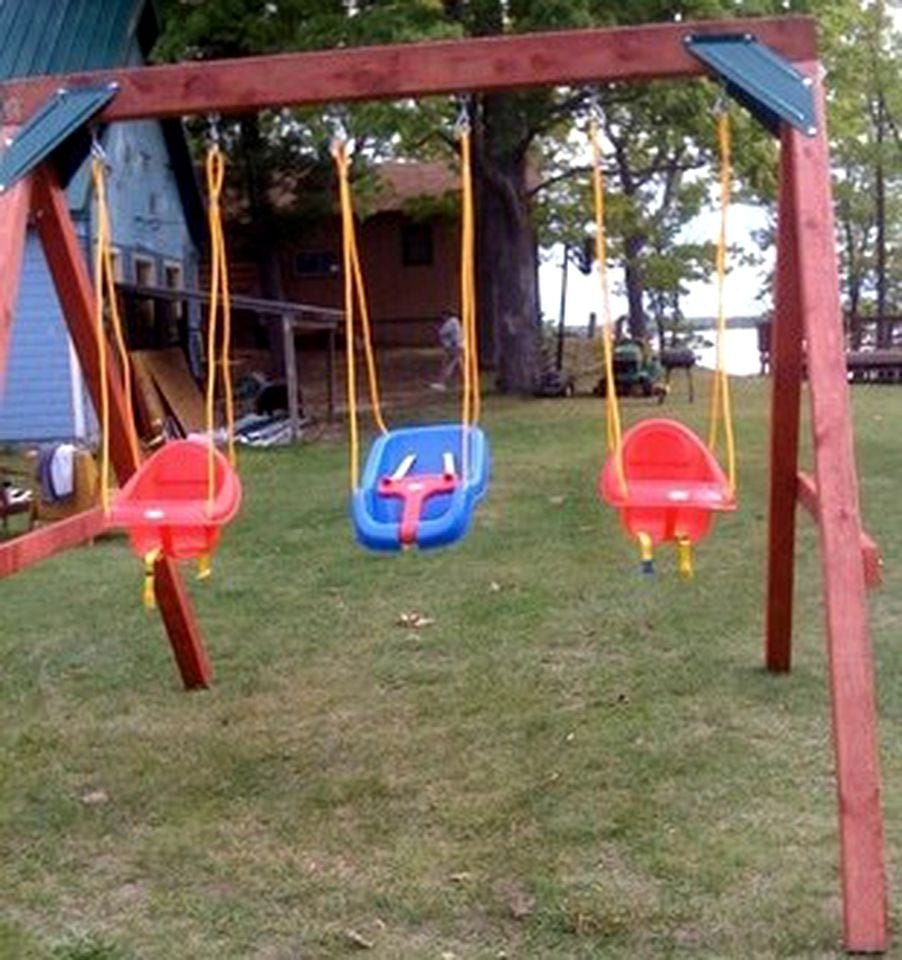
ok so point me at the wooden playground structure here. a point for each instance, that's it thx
(807, 308)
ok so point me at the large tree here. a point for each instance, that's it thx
(864, 57)
(655, 138)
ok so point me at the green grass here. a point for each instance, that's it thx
(570, 762)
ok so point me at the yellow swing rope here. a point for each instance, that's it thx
(613, 428)
(355, 298)
(471, 399)
(354, 295)
(105, 295)
(721, 401)
(220, 299)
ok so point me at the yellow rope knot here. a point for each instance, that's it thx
(149, 595)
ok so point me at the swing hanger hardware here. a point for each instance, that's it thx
(721, 104)
(462, 123)
(97, 150)
(214, 130)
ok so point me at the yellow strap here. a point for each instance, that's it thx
(204, 566)
(684, 558)
(149, 595)
(721, 401)
(220, 302)
(471, 399)
(612, 404)
(354, 296)
(471, 395)
(105, 298)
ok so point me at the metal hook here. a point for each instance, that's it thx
(721, 101)
(215, 134)
(462, 123)
(97, 150)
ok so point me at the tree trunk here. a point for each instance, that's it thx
(507, 255)
(634, 288)
(265, 238)
(884, 330)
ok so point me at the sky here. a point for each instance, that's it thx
(743, 284)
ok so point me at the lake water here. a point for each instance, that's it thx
(741, 351)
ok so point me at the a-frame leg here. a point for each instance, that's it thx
(786, 379)
(848, 639)
(73, 285)
(14, 206)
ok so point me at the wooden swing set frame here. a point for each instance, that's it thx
(807, 309)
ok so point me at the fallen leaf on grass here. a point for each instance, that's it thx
(556, 501)
(495, 587)
(415, 620)
(358, 940)
(95, 798)
(462, 877)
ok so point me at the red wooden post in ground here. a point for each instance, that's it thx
(75, 291)
(854, 710)
(786, 378)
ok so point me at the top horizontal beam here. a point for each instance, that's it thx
(488, 64)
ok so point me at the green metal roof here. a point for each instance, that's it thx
(61, 117)
(39, 37)
(66, 36)
(765, 83)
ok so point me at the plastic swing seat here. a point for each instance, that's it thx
(165, 505)
(411, 491)
(674, 486)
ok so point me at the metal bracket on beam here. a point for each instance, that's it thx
(768, 85)
(57, 127)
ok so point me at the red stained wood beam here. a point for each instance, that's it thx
(851, 666)
(39, 545)
(786, 390)
(66, 261)
(870, 553)
(14, 206)
(487, 64)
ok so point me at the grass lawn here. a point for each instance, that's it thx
(569, 761)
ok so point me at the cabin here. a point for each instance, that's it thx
(409, 239)
(155, 211)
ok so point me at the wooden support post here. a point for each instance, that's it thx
(786, 380)
(848, 640)
(14, 206)
(870, 552)
(330, 375)
(39, 545)
(65, 259)
(291, 376)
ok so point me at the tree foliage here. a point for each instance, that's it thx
(529, 158)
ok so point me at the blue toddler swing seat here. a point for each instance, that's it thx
(420, 484)
(417, 489)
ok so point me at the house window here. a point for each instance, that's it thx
(316, 263)
(116, 257)
(417, 245)
(145, 271)
(173, 279)
(145, 276)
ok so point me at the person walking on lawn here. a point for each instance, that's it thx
(451, 337)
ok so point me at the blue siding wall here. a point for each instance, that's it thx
(145, 209)
(147, 221)
(37, 401)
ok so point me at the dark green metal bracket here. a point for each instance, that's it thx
(58, 127)
(768, 85)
